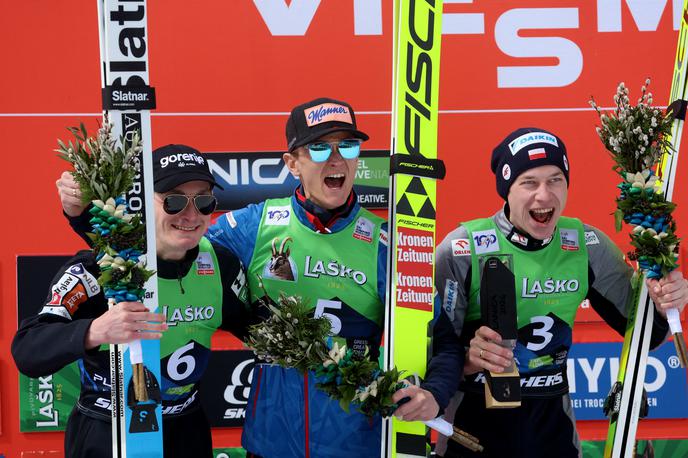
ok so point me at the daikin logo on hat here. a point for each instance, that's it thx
(532, 137)
(327, 112)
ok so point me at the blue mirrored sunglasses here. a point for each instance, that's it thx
(349, 148)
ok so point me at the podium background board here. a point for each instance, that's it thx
(227, 74)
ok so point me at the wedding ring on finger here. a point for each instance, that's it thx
(482, 350)
(74, 191)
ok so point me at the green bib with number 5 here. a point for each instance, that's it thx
(335, 273)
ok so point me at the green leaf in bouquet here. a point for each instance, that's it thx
(618, 219)
(344, 404)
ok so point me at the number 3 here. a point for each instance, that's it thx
(547, 323)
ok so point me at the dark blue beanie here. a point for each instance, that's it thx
(524, 149)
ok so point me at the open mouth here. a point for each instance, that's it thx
(185, 228)
(335, 180)
(542, 215)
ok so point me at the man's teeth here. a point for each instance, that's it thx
(336, 175)
(542, 210)
(185, 228)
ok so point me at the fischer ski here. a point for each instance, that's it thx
(413, 170)
(127, 99)
(627, 401)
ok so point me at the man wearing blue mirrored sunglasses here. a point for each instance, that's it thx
(321, 245)
(323, 148)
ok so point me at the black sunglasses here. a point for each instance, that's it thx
(176, 203)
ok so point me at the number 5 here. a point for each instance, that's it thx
(334, 319)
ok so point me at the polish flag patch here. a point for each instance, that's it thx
(537, 153)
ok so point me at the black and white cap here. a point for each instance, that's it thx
(177, 164)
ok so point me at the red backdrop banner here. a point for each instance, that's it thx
(227, 73)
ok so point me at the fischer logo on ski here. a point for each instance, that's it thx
(413, 170)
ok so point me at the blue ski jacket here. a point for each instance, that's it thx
(286, 414)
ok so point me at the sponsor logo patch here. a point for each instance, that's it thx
(74, 298)
(230, 220)
(181, 160)
(383, 237)
(534, 287)
(364, 230)
(327, 112)
(520, 239)
(239, 286)
(450, 293)
(485, 241)
(461, 247)
(72, 289)
(87, 280)
(65, 284)
(56, 299)
(204, 264)
(278, 216)
(569, 239)
(537, 153)
(591, 238)
(531, 138)
(314, 268)
(506, 172)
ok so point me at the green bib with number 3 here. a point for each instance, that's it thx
(550, 285)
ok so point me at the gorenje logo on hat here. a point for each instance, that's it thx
(530, 138)
(182, 160)
(327, 112)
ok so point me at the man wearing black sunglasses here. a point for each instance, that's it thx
(321, 245)
(201, 288)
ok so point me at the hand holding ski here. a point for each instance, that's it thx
(670, 295)
(104, 170)
(123, 323)
(293, 338)
(637, 138)
(417, 404)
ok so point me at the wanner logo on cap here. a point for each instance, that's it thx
(327, 112)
